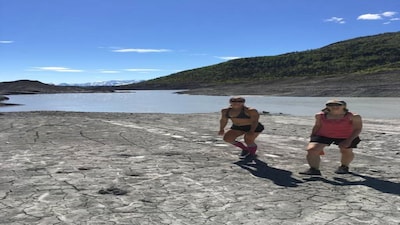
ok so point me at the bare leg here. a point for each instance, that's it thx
(313, 154)
(347, 156)
(230, 137)
(250, 138)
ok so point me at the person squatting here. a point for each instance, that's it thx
(244, 122)
(334, 124)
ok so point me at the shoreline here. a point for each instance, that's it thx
(297, 106)
(131, 168)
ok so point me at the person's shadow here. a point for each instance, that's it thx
(260, 169)
(372, 182)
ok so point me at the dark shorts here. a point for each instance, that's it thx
(336, 141)
(247, 128)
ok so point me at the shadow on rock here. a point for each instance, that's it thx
(260, 169)
(372, 182)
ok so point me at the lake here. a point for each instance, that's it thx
(166, 101)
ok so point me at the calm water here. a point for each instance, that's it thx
(168, 102)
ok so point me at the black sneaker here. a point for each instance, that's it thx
(252, 157)
(311, 171)
(342, 170)
(244, 154)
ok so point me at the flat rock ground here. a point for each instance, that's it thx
(111, 168)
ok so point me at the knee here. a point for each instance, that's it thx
(228, 139)
(313, 150)
(346, 151)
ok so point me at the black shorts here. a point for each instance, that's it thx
(247, 128)
(336, 141)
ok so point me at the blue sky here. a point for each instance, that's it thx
(77, 41)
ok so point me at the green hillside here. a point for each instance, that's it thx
(364, 55)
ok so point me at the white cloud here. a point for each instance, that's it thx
(227, 57)
(142, 70)
(369, 17)
(378, 16)
(6, 42)
(141, 50)
(58, 69)
(392, 20)
(389, 14)
(336, 20)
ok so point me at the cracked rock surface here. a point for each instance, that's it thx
(122, 168)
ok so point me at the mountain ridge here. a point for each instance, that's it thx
(363, 55)
(361, 67)
(37, 87)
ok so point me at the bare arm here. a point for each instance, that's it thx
(317, 124)
(223, 122)
(254, 117)
(357, 127)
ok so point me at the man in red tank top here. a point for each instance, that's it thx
(335, 124)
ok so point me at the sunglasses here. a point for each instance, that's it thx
(241, 101)
(333, 104)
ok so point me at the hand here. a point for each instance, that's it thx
(221, 132)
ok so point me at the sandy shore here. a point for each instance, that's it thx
(115, 168)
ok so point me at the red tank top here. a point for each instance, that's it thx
(336, 128)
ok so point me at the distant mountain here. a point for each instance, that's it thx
(360, 56)
(365, 66)
(36, 87)
(101, 83)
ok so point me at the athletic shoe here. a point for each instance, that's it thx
(244, 154)
(311, 171)
(251, 157)
(342, 170)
